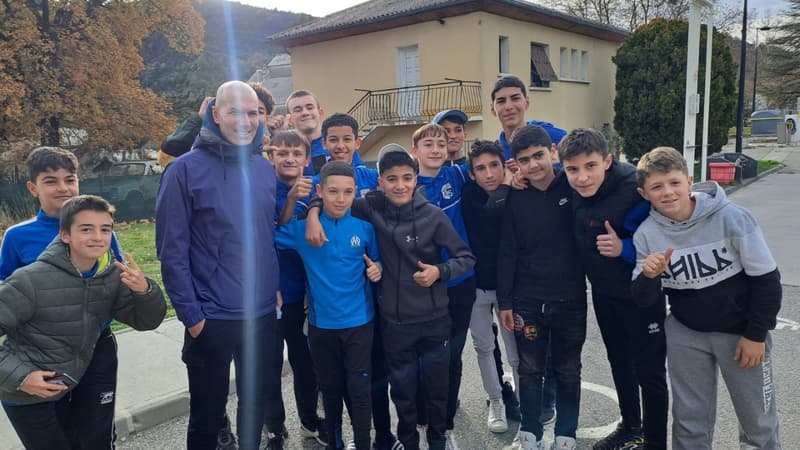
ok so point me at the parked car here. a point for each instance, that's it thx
(131, 186)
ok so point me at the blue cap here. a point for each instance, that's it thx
(455, 115)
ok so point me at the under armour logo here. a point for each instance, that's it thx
(653, 328)
(410, 238)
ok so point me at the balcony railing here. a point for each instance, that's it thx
(415, 103)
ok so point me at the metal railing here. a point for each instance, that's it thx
(415, 103)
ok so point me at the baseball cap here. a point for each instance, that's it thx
(455, 115)
(391, 148)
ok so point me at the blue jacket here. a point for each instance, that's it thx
(215, 230)
(444, 191)
(556, 134)
(340, 295)
(293, 274)
(25, 241)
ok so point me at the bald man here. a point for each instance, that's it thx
(214, 236)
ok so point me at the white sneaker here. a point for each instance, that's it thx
(563, 443)
(526, 440)
(497, 416)
(450, 440)
(423, 437)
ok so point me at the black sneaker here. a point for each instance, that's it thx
(275, 441)
(387, 442)
(226, 440)
(315, 430)
(511, 402)
(622, 438)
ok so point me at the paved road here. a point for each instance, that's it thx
(598, 409)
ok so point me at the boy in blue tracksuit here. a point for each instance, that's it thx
(53, 181)
(340, 140)
(443, 186)
(290, 156)
(340, 312)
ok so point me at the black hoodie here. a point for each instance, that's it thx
(417, 231)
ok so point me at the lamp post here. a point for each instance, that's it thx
(755, 66)
(742, 63)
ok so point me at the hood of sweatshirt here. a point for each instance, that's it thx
(709, 198)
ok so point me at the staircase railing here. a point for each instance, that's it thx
(415, 103)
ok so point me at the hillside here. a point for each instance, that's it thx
(185, 80)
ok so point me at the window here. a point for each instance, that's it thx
(574, 67)
(564, 63)
(585, 66)
(503, 66)
(541, 70)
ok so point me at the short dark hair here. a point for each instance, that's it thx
(582, 141)
(300, 93)
(334, 168)
(481, 147)
(42, 159)
(529, 136)
(290, 138)
(396, 159)
(83, 203)
(661, 160)
(428, 130)
(264, 96)
(509, 81)
(339, 120)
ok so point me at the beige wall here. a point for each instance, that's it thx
(466, 48)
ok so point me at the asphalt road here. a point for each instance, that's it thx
(599, 411)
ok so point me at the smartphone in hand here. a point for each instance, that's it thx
(62, 378)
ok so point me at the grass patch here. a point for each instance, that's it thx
(766, 164)
(139, 240)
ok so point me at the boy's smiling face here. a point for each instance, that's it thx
(398, 184)
(341, 142)
(670, 194)
(488, 171)
(337, 193)
(53, 188)
(305, 114)
(88, 238)
(431, 152)
(509, 105)
(456, 135)
(586, 172)
(289, 162)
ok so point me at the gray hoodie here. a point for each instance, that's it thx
(721, 277)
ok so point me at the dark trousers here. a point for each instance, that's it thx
(418, 357)
(250, 344)
(381, 419)
(342, 358)
(636, 348)
(84, 418)
(290, 329)
(557, 328)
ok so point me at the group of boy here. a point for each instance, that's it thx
(534, 245)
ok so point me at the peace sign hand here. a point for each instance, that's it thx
(132, 275)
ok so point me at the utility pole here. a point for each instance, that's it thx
(755, 66)
(742, 64)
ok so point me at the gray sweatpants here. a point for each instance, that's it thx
(480, 327)
(694, 359)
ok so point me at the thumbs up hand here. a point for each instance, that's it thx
(427, 274)
(609, 244)
(373, 270)
(656, 263)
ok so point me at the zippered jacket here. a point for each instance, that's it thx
(52, 317)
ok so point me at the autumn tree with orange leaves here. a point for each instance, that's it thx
(76, 65)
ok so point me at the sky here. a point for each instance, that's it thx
(324, 7)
